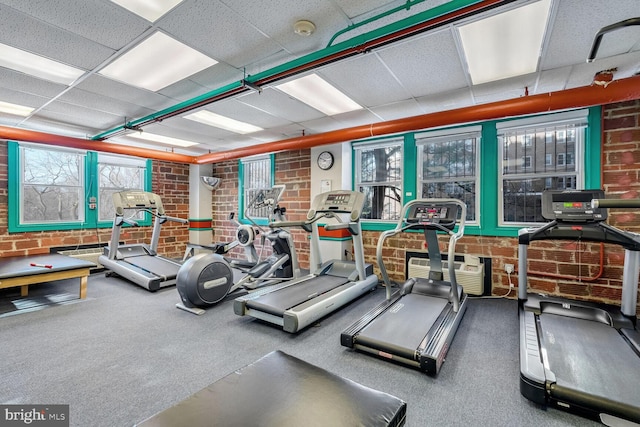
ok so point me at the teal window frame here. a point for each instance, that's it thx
(464, 132)
(382, 141)
(90, 190)
(577, 118)
(241, 187)
(487, 224)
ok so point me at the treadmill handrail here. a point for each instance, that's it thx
(174, 219)
(615, 203)
(304, 223)
(599, 232)
(403, 226)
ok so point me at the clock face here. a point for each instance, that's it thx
(325, 160)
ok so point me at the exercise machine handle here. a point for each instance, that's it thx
(615, 203)
(174, 219)
(351, 227)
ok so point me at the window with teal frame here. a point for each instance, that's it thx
(557, 150)
(116, 173)
(378, 175)
(54, 188)
(448, 166)
(538, 154)
(255, 173)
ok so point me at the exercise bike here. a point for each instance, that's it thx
(208, 278)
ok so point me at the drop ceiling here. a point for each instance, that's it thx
(420, 74)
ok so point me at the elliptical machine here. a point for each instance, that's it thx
(245, 237)
(206, 279)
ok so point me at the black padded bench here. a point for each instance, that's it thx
(24, 271)
(281, 390)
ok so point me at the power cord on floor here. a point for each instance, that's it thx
(508, 269)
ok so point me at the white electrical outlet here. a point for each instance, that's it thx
(508, 268)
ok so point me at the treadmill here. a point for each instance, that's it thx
(579, 356)
(416, 324)
(298, 303)
(140, 263)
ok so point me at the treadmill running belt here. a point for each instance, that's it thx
(403, 326)
(280, 300)
(156, 265)
(591, 357)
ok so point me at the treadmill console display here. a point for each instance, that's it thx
(338, 199)
(138, 200)
(572, 205)
(433, 214)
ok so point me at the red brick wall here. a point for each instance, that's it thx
(170, 180)
(621, 169)
(600, 265)
(293, 169)
(552, 264)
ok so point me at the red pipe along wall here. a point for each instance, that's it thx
(586, 96)
(617, 91)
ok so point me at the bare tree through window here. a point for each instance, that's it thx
(52, 183)
(117, 173)
(379, 177)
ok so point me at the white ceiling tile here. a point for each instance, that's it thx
(292, 130)
(399, 110)
(280, 105)
(356, 118)
(217, 31)
(29, 85)
(552, 80)
(9, 120)
(389, 19)
(73, 114)
(203, 131)
(514, 86)
(446, 101)
(418, 75)
(107, 104)
(103, 22)
(56, 125)
(275, 19)
(366, 80)
(576, 24)
(245, 113)
(21, 98)
(324, 124)
(189, 134)
(426, 65)
(366, 8)
(33, 35)
(107, 87)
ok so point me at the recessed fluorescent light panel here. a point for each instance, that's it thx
(15, 109)
(37, 66)
(151, 137)
(222, 122)
(507, 44)
(316, 92)
(151, 10)
(156, 63)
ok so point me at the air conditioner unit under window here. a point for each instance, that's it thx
(469, 273)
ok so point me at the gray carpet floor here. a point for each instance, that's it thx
(124, 354)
